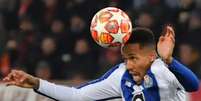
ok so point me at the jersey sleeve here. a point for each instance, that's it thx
(184, 75)
(176, 75)
(105, 88)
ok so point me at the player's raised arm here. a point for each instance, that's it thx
(106, 87)
(165, 48)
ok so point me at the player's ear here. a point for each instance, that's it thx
(122, 48)
(152, 56)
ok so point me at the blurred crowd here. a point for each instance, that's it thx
(51, 38)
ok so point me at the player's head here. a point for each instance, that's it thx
(139, 52)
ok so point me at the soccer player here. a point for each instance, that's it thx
(144, 76)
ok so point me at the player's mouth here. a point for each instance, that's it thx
(134, 73)
(136, 77)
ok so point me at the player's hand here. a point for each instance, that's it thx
(166, 44)
(21, 79)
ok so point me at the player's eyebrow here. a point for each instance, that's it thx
(133, 54)
(128, 55)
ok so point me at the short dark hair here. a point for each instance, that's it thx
(142, 36)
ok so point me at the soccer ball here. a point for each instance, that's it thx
(110, 27)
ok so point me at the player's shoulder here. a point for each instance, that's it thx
(117, 70)
(159, 66)
(114, 75)
(161, 70)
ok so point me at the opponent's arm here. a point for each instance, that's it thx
(165, 48)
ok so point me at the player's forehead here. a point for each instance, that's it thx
(130, 49)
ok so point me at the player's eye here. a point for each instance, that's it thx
(132, 58)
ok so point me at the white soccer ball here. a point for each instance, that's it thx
(110, 27)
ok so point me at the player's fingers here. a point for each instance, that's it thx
(17, 82)
(14, 84)
(22, 79)
(18, 76)
(170, 31)
(12, 76)
(21, 76)
(8, 77)
(164, 32)
(13, 73)
(161, 38)
(5, 79)
(11, 83)
(19, 72)
(171, 34)
(172, 39)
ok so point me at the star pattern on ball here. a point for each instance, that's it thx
(118, 37)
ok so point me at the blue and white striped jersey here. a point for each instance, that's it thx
(161, 83)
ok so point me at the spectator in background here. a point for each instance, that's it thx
(172, 4)
(90, 7)
(195, 20)
(3, 34)
(64, 43)
(42, 12)
(7, 55)
(139, 4)
(190, 55)
(52, 9)
(77, 27)
(145, 19)
(8, 11)
(195, 23)
(28, 38)
(57, 26)
(63, 38)
(12, 50)
(50, 55)
(82, 61)
(187, 4)
(193, 29)
(108, 58)
(26, 24)
(9, 58)
(24, 7)
(194, 26)
(47, 52)
(43, 70)
(183, 14)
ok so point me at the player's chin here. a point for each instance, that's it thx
(138, 79)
